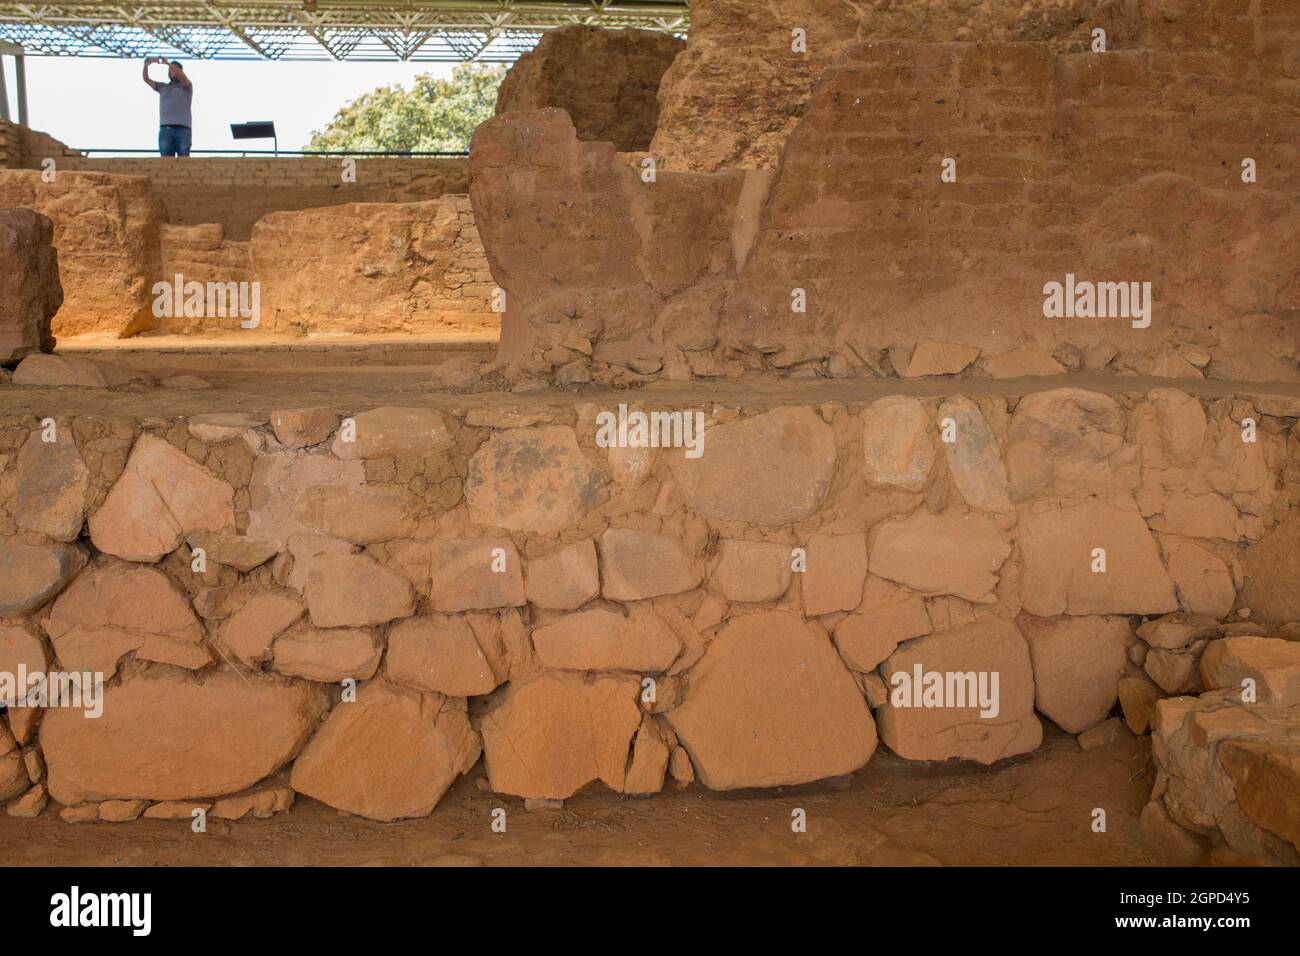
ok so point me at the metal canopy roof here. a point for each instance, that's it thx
(419, 30)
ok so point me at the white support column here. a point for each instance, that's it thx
(20, 71)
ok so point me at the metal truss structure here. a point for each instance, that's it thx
(418, 30)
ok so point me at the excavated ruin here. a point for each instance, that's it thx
(785, 468)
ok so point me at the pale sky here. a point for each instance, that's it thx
(92, 102)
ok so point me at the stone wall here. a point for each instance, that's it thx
(856, 257)
(495, 579)
(606, 80)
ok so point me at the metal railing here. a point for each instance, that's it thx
(104, 152)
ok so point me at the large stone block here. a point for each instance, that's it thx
(164, 735)
(161, 496)
(752, 571)
(1058, 544)
(120, 608)
(948, 553)
(564, 579)
(605, 640)
(441, 654)
(897, 448)
(636, 565)
(1272, 663)
(767, 470)
(1272, 568)
(948, 719)
(532, 479)
(53, 486)
(31, 574)
(353, 590)
(551, 735)
(389, 755)
(30, 293)
(771, 704)
(1078, 663)
(106, 231)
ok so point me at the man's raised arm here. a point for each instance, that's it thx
(144, 73)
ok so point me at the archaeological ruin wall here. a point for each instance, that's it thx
(606, 80)
(780, 436)
(923, 203)
(414, 266)
(495, 578)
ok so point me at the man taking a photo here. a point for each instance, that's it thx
(174, 99)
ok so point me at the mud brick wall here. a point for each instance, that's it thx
(737, 92)
(375, 267)
(201, 254)
(11, 150)
(496, 581)
(1103, 166)
(107, 235)
(606, 80)
(353, 268)
(236, 192)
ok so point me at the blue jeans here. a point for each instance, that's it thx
(174, 140)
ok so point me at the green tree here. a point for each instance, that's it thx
(434, 115)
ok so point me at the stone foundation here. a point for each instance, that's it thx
(353, 604)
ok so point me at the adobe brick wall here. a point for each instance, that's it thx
(1120, 166)
(606, 80)
(236, 192)
(11, 149)
(373, 268)
(736, 93)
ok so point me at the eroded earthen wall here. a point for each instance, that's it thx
(857, 256)
(235, 192)
(106, 233)
(359, 268)
(734, 96)
(606, 80)
(373, 268)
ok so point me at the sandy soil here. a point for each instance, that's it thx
(1030, 810)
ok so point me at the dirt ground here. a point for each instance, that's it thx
(1034, 810)
(367, 375)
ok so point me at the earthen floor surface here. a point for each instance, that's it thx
(285, 383)
(1033, 810)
